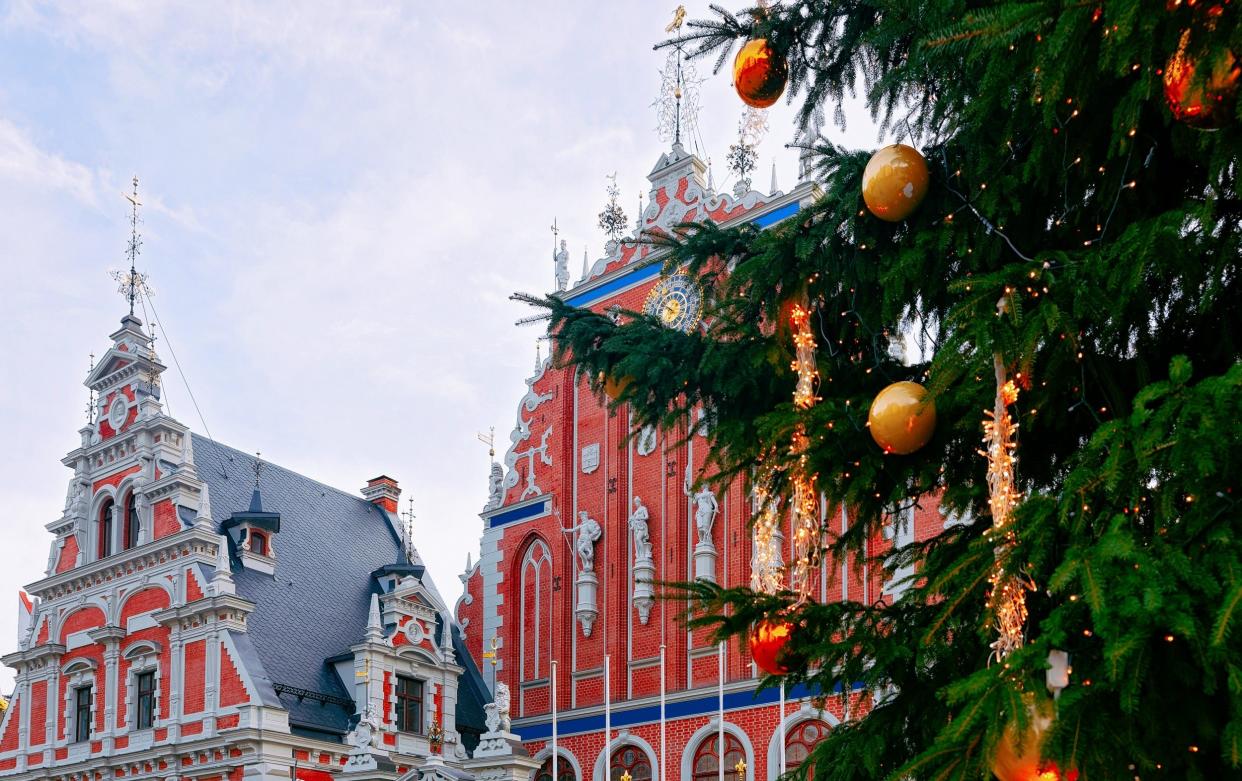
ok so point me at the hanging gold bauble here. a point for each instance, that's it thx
(615, 386)
(1017, 759)
(759, 74)
(1203, 103)
(895, 182)
(900, 422)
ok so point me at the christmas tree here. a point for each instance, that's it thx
(1068, 289)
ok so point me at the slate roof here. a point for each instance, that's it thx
(316, 606)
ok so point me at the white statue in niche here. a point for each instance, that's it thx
(495, 489)
(640, 532)
(705, 509)
(561, 260)
(587, 533)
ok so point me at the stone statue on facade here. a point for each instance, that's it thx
(502, 705)
(705, 509)
(640, 531)
(561, 259)
(587, 534)
(495, 487)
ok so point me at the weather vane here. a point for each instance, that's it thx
(744, 155)
(408, 516)
(258, 468)
(612, 219)
(131, 284)
(678, 102)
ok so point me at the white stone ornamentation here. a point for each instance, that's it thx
(648, 441)
(705, 509)
(586, 533)
(644, 562)
(590, 458)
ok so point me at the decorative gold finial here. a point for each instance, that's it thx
(679, 16)
(131, 283)
(740, 767)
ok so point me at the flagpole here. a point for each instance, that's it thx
(556, 758)
(607, 716)
(663, 768)
(782, 728)
(720, 753)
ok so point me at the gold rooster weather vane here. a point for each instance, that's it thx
(679, 16)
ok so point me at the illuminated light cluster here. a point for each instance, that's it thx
(1007, 594)
(804, 363)
(767, 570)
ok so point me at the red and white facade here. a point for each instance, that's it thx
(532, 598)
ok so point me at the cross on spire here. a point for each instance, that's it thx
(132, 284)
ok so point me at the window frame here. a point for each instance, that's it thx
(105, 527)
(131, 525)
(708, 747)
(641, 760)
(144, 700)
(565, 770)
(406, 704)
(794, 737)
(83, 709)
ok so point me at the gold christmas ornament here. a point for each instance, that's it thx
(614, 386)
(900, 421)
(759, 74)
(895, 182)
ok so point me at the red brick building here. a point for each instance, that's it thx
(581, 514)
(207, 616)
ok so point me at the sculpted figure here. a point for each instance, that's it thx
(640, 531)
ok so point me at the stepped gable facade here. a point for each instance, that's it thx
(582, 516)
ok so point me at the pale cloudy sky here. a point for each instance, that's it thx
(339, 199)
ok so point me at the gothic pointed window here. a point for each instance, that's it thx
(801, 739)
(706, 765)
(564, 770)
(105, 528)
(535, 601)
(632, 760)
(131, 522)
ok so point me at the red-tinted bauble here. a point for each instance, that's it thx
(1206, 101)
(768, 641)
(1018, 759)
(759, 74)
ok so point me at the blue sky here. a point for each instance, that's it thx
(339, 199)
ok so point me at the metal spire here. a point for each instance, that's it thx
(408, 516)
(677, 104)
(133, 282)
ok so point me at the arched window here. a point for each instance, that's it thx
(258, 543)
(536, 598)
(130, 538)
(105, 528)
(564, 770)
(801, 739)
(707, 759)
(632, 760)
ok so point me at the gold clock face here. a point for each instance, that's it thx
(677, 301)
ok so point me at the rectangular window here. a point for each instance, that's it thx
(145, 702)
(409, 705)
(82, 713)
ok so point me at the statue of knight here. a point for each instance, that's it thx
(561, 259)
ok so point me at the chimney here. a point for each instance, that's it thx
(383, 492)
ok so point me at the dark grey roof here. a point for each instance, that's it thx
(329, 544)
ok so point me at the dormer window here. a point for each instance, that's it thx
(105, 528)
(258, 543)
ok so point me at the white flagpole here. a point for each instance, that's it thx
(556, 758)
(663, 769)
(782, 723)
(607, 717)
(720, 752)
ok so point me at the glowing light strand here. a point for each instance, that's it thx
(1008, 586)
(767, 571)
